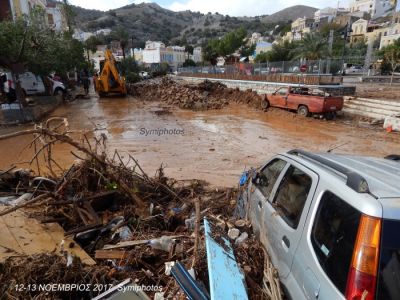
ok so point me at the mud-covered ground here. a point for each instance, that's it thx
(214, 145)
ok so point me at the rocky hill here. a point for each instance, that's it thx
(149, 21)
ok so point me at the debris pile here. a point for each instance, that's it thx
(203, 96)
(133, 225)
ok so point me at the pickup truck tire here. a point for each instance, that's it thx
(264, 103)
(303, 111)
(330, 115)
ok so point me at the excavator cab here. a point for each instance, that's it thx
(109, 80)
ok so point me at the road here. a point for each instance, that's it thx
(211, 145)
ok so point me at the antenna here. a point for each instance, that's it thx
(337, 147)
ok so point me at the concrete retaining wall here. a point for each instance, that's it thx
(43, 105)
(257, 86)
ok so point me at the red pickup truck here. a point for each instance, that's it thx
(306, 101)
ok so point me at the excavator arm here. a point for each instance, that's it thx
(109, 80)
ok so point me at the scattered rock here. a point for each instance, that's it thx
(204, 96)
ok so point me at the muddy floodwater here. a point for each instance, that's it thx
(212, 145)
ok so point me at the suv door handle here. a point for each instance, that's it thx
(286, 241)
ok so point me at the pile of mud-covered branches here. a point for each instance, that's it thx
(131, 223)
(203, 96)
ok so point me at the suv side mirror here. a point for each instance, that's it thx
(254, 177)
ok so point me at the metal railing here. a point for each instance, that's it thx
(334, 66)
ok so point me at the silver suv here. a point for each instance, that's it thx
(331, 223)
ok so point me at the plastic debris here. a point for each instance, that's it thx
(233, 233)
(243, 237)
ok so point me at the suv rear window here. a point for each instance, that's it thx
(389, 264)
(333, 236)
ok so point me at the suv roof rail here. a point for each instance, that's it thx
(395, 157)
(354, 180)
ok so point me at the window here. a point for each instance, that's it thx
(50, 19)
(268, 176)
(292, 194)
(333, 236)
(389, 266)
(283, 91)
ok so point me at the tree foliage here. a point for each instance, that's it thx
(121, 35)
(36, 47)
(283, 51)
(312, 46)
(130, 69)
(391, 56)
(231, 42)
(189, 63)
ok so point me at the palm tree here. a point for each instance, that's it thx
(313, 46)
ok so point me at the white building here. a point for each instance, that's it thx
(157, 53)
(262, 47)
(55, 16)
(327, 12)
(82, 35)
(390, 36)
(197, 55)
(17, 8)
(138, 55)
(255, 38)
(376, 8)
(105, 31)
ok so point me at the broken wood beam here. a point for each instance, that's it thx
(112, 254)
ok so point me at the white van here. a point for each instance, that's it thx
(31, 85)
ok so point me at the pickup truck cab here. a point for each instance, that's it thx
(329, 222)
(305, 100)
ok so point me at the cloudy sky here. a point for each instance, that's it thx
(225, 7)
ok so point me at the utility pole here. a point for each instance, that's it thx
(330, 46)
(346, 31)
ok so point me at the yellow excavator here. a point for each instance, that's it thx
(110, 81)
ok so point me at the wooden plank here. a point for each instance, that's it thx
(226, 280)
(8, 244)
(112, 254)
(27, 236)
(125, 244)
(57, 234)
(29, 233)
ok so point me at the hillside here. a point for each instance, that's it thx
(149, 21)
(291, 13)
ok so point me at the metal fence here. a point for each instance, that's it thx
(334, 66)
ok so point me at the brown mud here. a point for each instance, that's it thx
(213, 145)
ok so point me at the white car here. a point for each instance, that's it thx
(31, 85)
(144, 75)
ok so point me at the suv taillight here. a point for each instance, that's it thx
(361, 281)
(10, 82)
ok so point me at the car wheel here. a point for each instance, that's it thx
(265, 103)
(330, 116)
(59, 93)
(303, 111)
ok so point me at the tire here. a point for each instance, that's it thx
(59, 92)
(265, 103)
(303, 111)
(330, 116)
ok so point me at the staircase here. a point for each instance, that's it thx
(371, 108)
